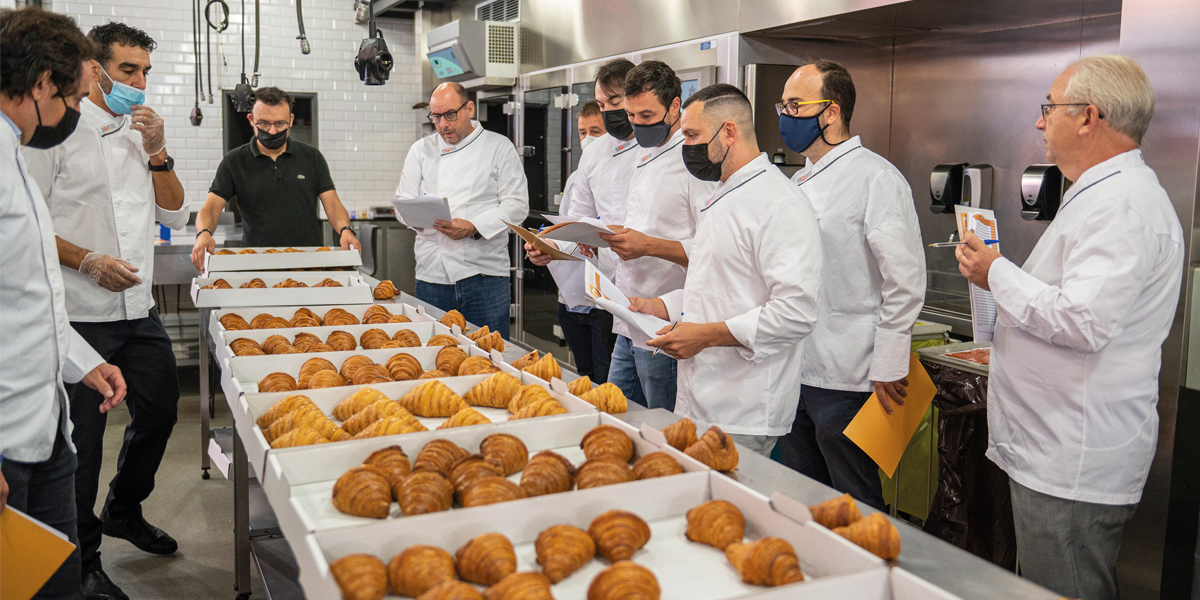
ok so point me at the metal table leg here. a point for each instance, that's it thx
(205, 393)
(241, 519)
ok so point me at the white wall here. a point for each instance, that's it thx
(364, 131)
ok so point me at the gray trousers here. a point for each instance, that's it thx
(1067, 546)
(762, 444)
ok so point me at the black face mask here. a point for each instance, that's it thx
(45, 136)
(653, 136)
(616, 122)
(695, 158)
(272, 141)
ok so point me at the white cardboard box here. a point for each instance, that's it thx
(424, 330)
(685, 570)
(353, 290)
(308, 259)
(416, 313)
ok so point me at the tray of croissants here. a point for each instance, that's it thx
(253, 318)
(236, 289)
(694, 536)
(268, 258)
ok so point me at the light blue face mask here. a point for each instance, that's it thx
(123, 97)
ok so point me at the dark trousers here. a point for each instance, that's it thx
(817, 447)
(482, 299)
(142, 350)
(45, 491)
(591, 339)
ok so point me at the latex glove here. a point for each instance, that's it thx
(145, 120)
(109, 272)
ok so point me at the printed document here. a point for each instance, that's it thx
(606, 295)
(581, 230)
(422, 211)
(982, 223)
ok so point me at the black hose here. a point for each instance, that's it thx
(257, 38)
(304, 47)
(243, 29)
(196, 49)
(224, 24)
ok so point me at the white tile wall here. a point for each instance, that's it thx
(365, 131)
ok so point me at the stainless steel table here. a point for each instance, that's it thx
(173, 258)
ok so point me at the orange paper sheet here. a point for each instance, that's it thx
(884, 437)
(30, 552)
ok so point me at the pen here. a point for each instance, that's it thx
(668, 331)
(953, 244)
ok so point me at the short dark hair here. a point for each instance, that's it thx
(273, 96)
(33, 41)
(654, 76)
(591, 108)
(104, 36)
(724, 102)
(837, 85)
(611, 75)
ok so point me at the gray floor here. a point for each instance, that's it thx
(196, 512)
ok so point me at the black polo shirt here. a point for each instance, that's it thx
(277, 198)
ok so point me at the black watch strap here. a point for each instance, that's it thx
(203, 231)
(476, 235)
(167, 165)
(343, 230)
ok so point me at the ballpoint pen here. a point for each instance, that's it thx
(953, 244)
(668, 331)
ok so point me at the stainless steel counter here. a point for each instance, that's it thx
(173, 259)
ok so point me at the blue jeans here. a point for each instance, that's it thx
(645, 379)
(591, 340)
(817, 447)
(482, 299)
(46, 492)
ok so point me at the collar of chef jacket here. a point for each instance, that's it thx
(448, 148)
(738, 178)
(811, 169)
(1100, 172)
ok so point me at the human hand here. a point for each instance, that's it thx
(649, 306)
(684, 340)
(628, 243)
(891, 390)
(975, 260)
(109, 272)
(455, 229)
(537, 257)
(152, 128)
(204, 242)
(588, 251)
(349, 241)
(107, 380)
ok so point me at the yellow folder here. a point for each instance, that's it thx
(884, 437)
(30, 552)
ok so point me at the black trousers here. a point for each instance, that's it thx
(142, 350)
(591, 339)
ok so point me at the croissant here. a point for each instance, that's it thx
(224, 252)
(307, 314)
(525, 361)
(404, 367)
(277, 382)
(360, 400)
(433, 374)
(449, 359)
(601, 472)
(493, 342)
(875, 533)
(433, 399)
(520, 586)
(326, 379)
(372, 339)
(547, 368)
(541, 408)
(562, 549)
(717, 523)
(319, 348)
(281, 408)
(547, 473)
(251, 351)
(385, 290)
(376, 310)
(375, 319)
(424, 492)
(837, 512)
(451, 590)
(608, 398)
(363, 492)
(342, 342)
(304, 339)
(466, 416)
(304, 321)
(399, 422)
(393, 463)
(768, 561)
(486, 559)
(219, 284)
(490, 490)
(352, 364)
(369, 415)
(496, 391)
(248, 251)
(439, 456)
(618, 534)
(419, 568)
(607, 441)
(472, 467)
(303, 436)
(407, 338)
(656, 464)
(716, 449)
(442, 339)
(528, 395)
(339, 317)
(454, 318)
(274, 344)
(243, 346)
(680, 434)
(505, 450)
(233, 321)
(360, 577)
(372, 373)
(624, 580)
(477, 365)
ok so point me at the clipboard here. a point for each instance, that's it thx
(540, 244)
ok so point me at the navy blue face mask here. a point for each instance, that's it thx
(653, 136)
(800, 132)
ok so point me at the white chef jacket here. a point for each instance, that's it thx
(38, 347)
(484, 181)
(874, 266)
(664, 201)
(100, 192)
(1078, 344)
(755, 265)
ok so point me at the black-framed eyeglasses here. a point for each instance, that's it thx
(1046, 108)
(792, 109)
(450, 115)
(278, 125)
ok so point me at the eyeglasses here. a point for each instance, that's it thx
(1046, 108)
(792, 109)
(450, 115)
(278, 125)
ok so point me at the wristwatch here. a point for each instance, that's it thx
(168, 165)
(343, 230)
(208, 231)
(476, 235)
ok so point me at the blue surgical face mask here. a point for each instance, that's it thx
(800, 132)
(122, 97)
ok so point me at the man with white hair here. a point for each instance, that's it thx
(1075, 361)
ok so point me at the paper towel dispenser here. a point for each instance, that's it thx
(960, 184)
(1042, 189)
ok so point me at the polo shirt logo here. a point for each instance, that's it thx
(300, 177)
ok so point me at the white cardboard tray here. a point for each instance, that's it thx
(416, 313)
(353, 290)
(685, 570)
(309, 259)
(424, 331)
(299, 481)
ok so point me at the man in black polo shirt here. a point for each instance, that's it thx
(277, 182)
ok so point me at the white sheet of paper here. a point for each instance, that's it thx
(422, 211)
(568, 275)
(581, 230)
(982, 223)
(607, 295)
